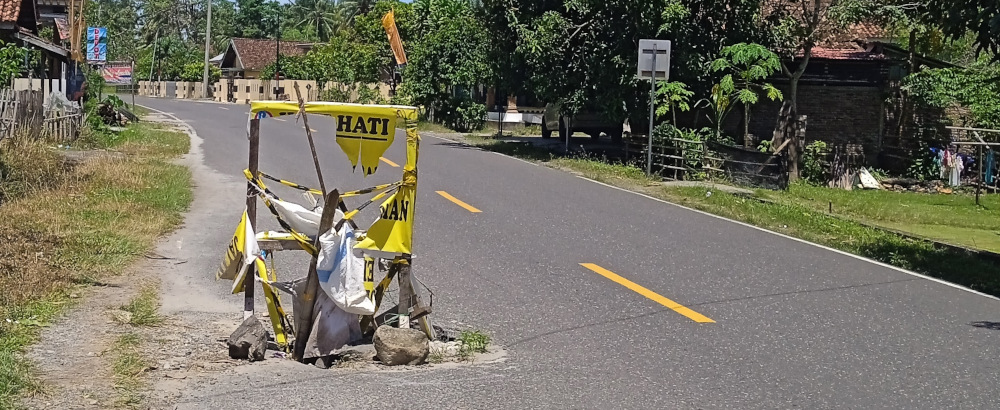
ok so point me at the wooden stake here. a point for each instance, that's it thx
(312, 280)
(309, 135)
(405, 294)
(248, 296)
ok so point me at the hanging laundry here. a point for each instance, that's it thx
(990, 164)
(955, 176)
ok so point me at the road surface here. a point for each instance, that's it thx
(604, 298)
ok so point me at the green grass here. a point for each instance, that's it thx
(954, 219)
(427, 126)
(67, 226)
(473, 341)
(144, 308)
(127, 367)
(802, 212)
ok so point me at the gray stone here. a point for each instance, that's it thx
(395, 346)
(249, 341)
(122, 316)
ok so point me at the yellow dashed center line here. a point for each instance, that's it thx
(676, 307)
(468, 207)
(391, 164)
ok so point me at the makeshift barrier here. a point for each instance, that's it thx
(323, 321)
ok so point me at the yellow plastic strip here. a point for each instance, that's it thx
(274, 309)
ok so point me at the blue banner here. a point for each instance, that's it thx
(97, 44)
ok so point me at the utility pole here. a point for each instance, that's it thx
(277, 52)
(208, 43)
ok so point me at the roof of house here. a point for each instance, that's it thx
(255, 54)
(852, 54)
(9, 10)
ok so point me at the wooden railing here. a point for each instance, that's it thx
(681, 159)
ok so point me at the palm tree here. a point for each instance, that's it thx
(326, 16)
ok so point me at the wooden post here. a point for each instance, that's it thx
(309, 135)
(312, 279)
(248, 295)
(405, 293)
(979, 185)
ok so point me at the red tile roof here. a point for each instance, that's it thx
(255, 54)
(9, 10)
(824, 53)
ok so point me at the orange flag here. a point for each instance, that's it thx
(389, 22)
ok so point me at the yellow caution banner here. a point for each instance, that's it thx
(364, 132)
(392, 233)
(241, 251)
(364, 138)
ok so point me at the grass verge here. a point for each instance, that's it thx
(143, 308)
(70, 219)
(127, 368)
(802, 212)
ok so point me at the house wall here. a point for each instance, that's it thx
(835, 114)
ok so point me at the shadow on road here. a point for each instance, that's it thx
(987, 325)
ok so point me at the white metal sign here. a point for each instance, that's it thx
(654, 56)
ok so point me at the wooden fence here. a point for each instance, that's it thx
(681, 159)
(23, 113)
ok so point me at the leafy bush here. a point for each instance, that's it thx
(195, 72)
(11, 60)
(975, 88)
(462, 114)
(813, 162)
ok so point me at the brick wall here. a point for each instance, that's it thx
(836, 114)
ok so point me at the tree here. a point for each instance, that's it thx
(977, 88)
(323, 16)
(748, 65)
(579, 53)
(119, 17)
(694, 26)
(799, 26)
(257, 18)
(672, 96)
(957, 18)
(194, 72)
(451, 54)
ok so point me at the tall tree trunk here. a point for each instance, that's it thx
(792, 125)
(746, 127)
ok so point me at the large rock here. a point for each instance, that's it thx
(395, 346)
(249, 341)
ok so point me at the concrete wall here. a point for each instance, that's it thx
(46, 85)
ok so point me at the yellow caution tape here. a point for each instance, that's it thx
(277, 315)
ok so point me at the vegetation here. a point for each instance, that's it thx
(68, 224)
(747, 66)
(127, 367)
(977, 88)
(143, 308)
(472, 342)
(11, 58)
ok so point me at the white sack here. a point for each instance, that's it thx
(342, 273)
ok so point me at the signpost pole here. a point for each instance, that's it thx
(652, 112)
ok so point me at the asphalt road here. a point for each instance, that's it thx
(793, 325)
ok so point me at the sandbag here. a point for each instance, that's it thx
(342, 273)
